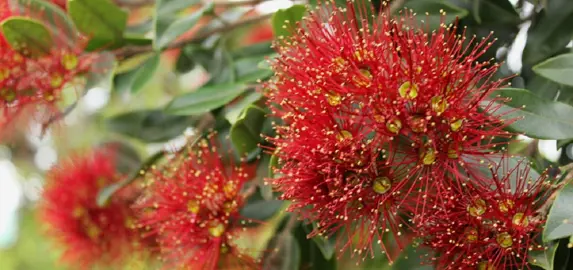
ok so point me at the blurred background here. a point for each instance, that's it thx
(24, 161)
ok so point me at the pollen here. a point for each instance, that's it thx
(4, 74)
(504, 240)
(216, 229)
(56, 81)
(428, 156)
(417, 124)
(408, 90)
(520, 219)
(477, 208)
(439, 104)
(506, 205)
(333, 99)
(344, 135)
(364, 79)
(193, 206)
(471, 234)
(456, 125)
(339, 64)
(69, 61)
(394, 125)
(382, 185)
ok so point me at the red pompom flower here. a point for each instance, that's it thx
(90, 235)
(376, 117)
(192, 208)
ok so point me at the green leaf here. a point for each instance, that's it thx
(411, 258)
(101, 20)
(558, 69)
(261, 210)
(284, 18)
(145, 73)
(53, 17)
(149, 125)
(27, 36)
(434, 9)
(249, 71)
(134, 80)
(560, 219)
(205, 99)
(549, 33)
(326, 245)
(126, 158)
(168, 27)
(543, 119)
(286, 253)
(543, 258)
(246, 132)
(233, 111)
(257, 49)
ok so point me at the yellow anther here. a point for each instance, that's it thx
(439, 104)
(506, 205)
(56, 81)
(69, 61)
(382, 185)
(193, 206)
(394, 125)
(417, 124)
(504, 240)
(344, 135)
(364, 79)
(428, 156)
(471, 234)
(216, 229)
(333, 99)
(477, 208)
(520, 219)
(408, 90)
(456, 125)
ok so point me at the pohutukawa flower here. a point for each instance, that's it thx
(394, 94)
(192, 207)
(90, 235)
(33, 76)
(493, 225)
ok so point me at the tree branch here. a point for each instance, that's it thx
(133, 50)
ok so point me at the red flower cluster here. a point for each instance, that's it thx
(91, 235)
(491, 223)
(31, 76)
(192, 208)
(377, 119)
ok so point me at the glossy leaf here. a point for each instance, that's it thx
(542, 118)
(550, 32)
(434, 9)
(233, 111)
(558, 69)
(27, 36)
(101, 20)
(102, 71)
(149, 125)
(246, 132)
(169, 27)
(285, 18)
(145, 73)
(205, 99)
(286, 255)
(543, 258)
(560, 219)
(261, 210)
(54, 18)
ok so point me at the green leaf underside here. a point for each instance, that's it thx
(205, 99)
(169, 27)
(560, 218)
(542, 118)
(558, 69)
(27, 36)
(543, 258)
(245, 133)
(149, 125)
(101, 20)
(145, 73)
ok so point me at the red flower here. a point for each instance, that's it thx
(91, 235)
(36, 78)
(192, 207)
(371, 101)
(491, 225)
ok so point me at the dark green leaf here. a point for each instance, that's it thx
(434, 8)
(54, 18)
(543, 258)
(412, 258)
(543, 119)
(326, 245)
(273, 164)
(149, 125)
(101, 20)
(312, 258)
(136, 40)
(246, 132)
(550, 32)
(126, 158)
(558, 69)
(28, 36)
(233, 111)
(145, 73)
(205, 99)
(257, 49)
(286, 253)
(560, 219)
(285, 18)
(261, 210)
(249, 71)
(169, 27)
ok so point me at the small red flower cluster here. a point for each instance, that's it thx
(382, 125)
(33, 76)
(91, 235)
(192, 208)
